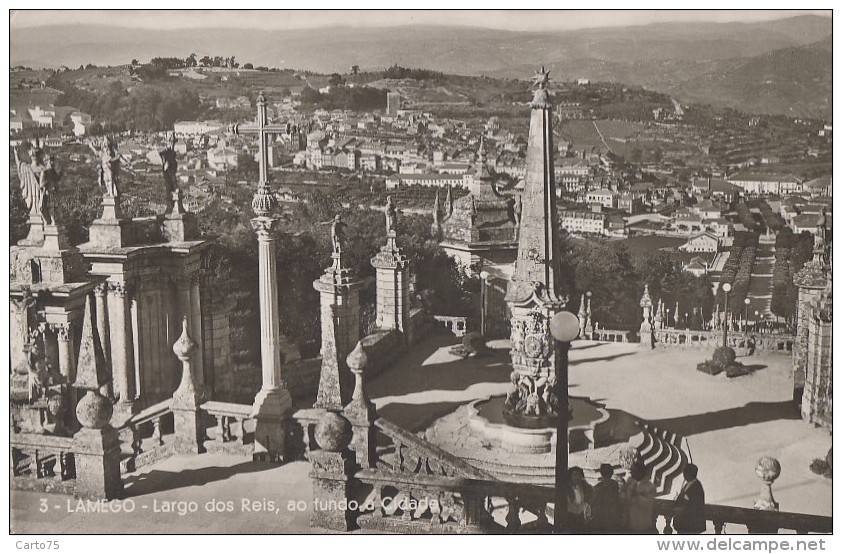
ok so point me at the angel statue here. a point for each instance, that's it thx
(109, 164)
(38, 182)
(337, 232)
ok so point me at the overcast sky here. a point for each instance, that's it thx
(300, 19)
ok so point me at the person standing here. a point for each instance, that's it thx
(639, 499)
(578, 501)
(606, 505)
(690, 512)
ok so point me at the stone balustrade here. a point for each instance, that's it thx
(610, 335)
(42, 462)
(733, 519)
(232, 426)
(458, 325)
(688, 338)
(147, 436)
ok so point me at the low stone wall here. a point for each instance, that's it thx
(382, 348)
(420, 325)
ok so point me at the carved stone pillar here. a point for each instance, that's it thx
(122, 346)
(101, 302)
(189, 426)
(272, 404)
(66, 360)
(340, 321)
(332, 467)
(391, 267)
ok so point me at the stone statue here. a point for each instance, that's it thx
(391, 215)
(170, 166)
(109, 165)
(39, 372)
(337, 233)
(38, 182)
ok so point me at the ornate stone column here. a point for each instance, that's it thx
(66, 359)
(273, 404)
(391, 267)
(810, 280)
(122, 346)
(340, 321)
(646, 325)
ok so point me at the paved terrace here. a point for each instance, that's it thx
(728, 423)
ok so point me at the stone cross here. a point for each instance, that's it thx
(262, 129)
(273, 404)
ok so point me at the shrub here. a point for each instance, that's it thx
(820, 467)
(723, 357)
(474, 343)
(736, 369)
(709, 367)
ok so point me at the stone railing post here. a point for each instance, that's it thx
(187, 416)
(96, 445)
(332, 468)
(768, 469)
(361, 412)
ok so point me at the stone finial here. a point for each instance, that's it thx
(184, 347)
(541, 80)
(333, 432)
(357, 360)
(646, 300)
(768, 469)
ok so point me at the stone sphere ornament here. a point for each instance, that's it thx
(94, 410)
(767, 469)
(56, 405)
(333, 432)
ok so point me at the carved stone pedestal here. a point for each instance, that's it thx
(55, 238)
(271, 411)
(35, 265)
(113, 233)
(332, 467)
(36, 231)
(98, 463)
(179, 227)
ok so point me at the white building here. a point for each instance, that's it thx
(704, 242)
(197, 127)
(583, 222)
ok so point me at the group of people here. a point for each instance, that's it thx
(614, 505)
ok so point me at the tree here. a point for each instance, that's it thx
(335, 80)
(248, 65)
(191, 60)
(355, 69)
(135, 62)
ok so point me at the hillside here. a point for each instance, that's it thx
(792, 81)
(666, 57)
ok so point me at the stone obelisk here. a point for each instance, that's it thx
(533, 295)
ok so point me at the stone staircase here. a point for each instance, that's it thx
(661, 450)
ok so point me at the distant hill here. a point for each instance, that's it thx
(660, 56)
(792, 81)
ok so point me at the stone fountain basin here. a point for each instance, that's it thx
(587, 429)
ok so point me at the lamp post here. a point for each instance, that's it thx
(667, 322)
(564, 327)
(726, 288)
(747, 302)
(756, 313)
(483, 275)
